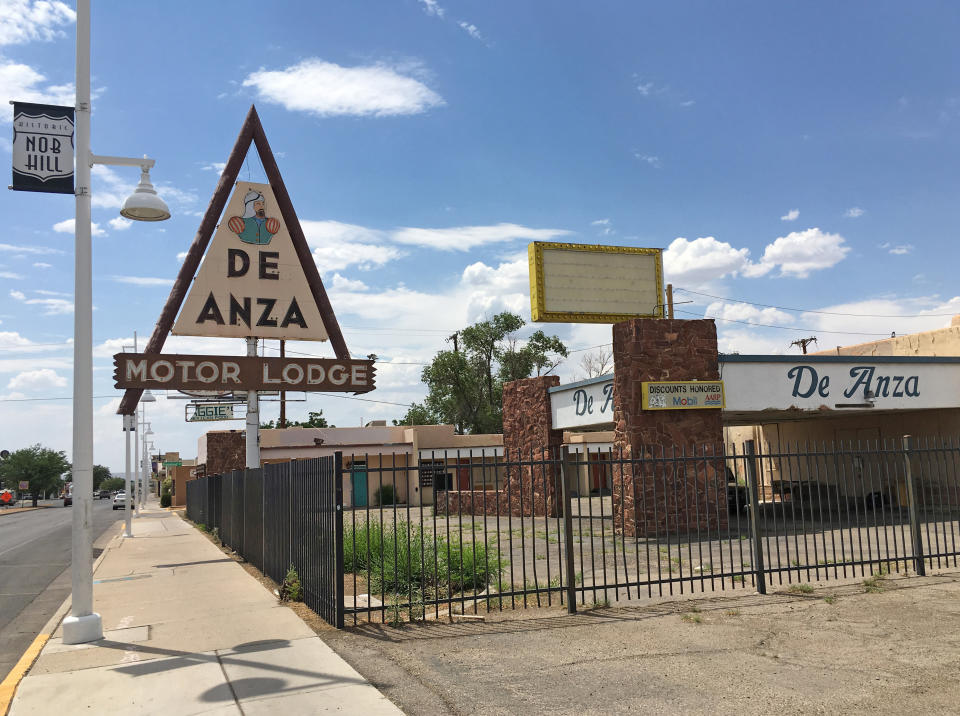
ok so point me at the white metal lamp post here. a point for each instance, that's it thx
(83, 624)
(145, 463)
(142, 474)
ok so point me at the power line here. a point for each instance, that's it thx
(27, 400)
(785, 328)
(824, 313)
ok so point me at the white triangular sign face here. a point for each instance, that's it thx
(251, 282)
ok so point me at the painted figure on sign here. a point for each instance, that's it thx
(254, 227)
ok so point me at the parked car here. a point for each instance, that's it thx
(104, 494)
(120, 501)
(68, 498)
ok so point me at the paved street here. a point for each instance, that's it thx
(35, 554)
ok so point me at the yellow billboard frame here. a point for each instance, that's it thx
(538, 310)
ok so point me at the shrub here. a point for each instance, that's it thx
(403, 557)
(385, 495)
(165, 499)
(291, 590)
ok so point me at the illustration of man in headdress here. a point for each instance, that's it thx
(254, 227)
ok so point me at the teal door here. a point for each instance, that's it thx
(358, 478)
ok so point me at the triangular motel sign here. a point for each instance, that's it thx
(257, 277)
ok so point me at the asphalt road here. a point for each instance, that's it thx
(35, 555)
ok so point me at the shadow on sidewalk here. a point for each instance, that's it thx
(240, 688)
(190, 564)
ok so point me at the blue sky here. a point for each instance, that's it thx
(801, 155)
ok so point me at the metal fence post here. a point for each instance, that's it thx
(338, 536)
(568, 540)
(753, 492)
(914, 508)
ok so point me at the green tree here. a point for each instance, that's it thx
(41, 467)
(100, 473)
(113, 483)
(314, 419)
(465, 385)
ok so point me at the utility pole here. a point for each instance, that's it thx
(803, 343)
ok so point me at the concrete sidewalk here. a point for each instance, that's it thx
(188, 631)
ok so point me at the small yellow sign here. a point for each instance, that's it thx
(682, 395)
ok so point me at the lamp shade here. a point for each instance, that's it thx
(144, 204)
(148, 397)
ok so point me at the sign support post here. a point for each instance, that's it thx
(253, 416)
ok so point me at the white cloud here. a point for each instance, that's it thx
(745, 312)
(431, 7)
(337, 245)
(181, 256)
(118, 223)
(13, 341)
(702, 260)
(471, 30)
(143, 281)
(10, 275)
(345, 284)
(604, 226)
(645, 88)
(217, 167)
(38, 250)
(790, 215)
(649, 159)
(28, 85)
(853, 212)
(902, 249)
(42, 265)
(327, 89)
(45, 292)
(800, 252)
(465, 238)
(67, 227)
(40, 379)
(23, 21)
(53, 306)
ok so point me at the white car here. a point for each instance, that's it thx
(120, 501)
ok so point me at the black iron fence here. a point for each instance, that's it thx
(387, 537)
(281, 516)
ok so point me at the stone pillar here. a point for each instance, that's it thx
(658, 496)
(528, 435)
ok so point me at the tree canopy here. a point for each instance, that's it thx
(465, 385)
(100, 473)
(314, 419)
(41, 467)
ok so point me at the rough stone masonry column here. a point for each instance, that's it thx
(656, 496)
(528, 435)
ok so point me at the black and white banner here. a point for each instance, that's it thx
(42, 148)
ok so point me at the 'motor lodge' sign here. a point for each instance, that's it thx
(42, 148)
(202, 372)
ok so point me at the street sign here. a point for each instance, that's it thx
(23, 485)
(203, 412)
(42, 148)
(173, 463)
(199, 372)
(5, 497)
(251, 282)
(583, 283)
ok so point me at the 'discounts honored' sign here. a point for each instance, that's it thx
(682, 395)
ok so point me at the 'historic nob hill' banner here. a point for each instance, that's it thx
(42, 148)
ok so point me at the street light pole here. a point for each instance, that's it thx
(83, 624)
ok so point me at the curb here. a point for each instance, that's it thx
(8, 687)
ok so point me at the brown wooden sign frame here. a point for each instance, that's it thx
(139, 371)
(251, 131)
